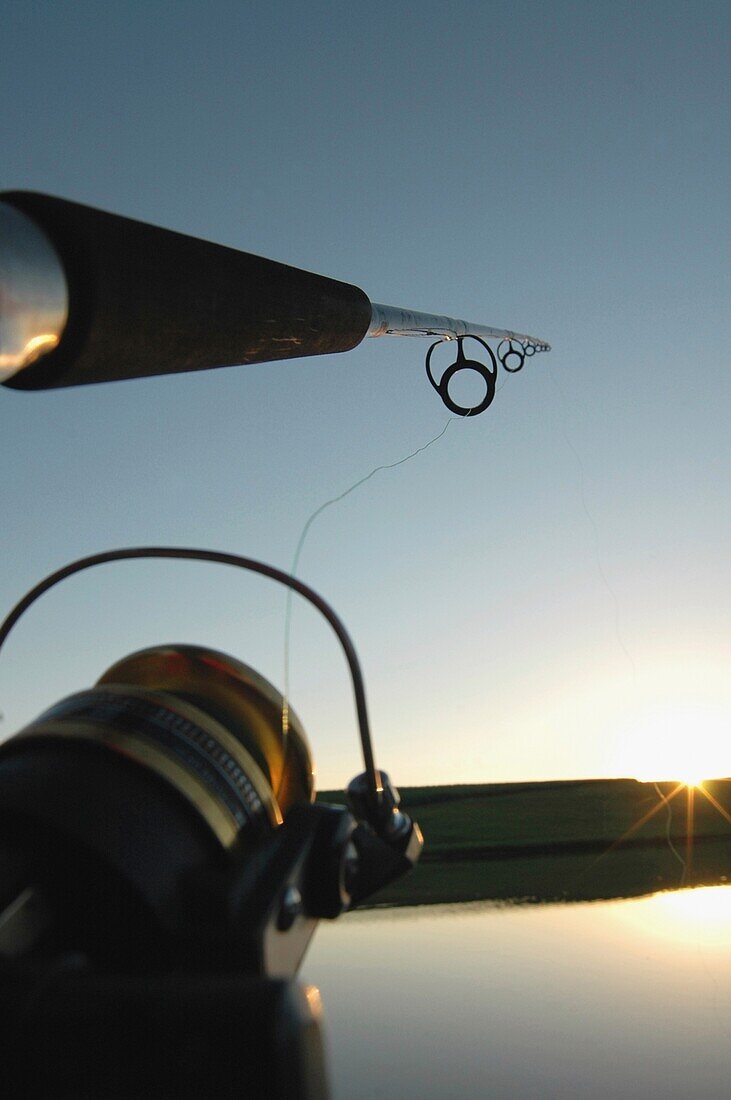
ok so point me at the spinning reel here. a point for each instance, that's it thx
(161, 856)
(192, 739)
(160, 838)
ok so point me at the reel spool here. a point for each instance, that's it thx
(204, 723)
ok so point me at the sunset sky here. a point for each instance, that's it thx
(542, 593)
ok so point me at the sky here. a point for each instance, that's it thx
(543, 592)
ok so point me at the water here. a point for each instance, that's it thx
(611, 999)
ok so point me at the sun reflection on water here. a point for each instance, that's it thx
(702, 914)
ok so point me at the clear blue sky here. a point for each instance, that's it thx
(545, 591)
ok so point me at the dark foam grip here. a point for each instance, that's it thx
(147, 301)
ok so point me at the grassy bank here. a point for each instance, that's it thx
(571, 841)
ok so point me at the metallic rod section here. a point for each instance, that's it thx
(33, 293)
(394, 321)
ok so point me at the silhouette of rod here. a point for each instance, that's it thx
(87, 296)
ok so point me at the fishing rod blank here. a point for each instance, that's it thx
(87, 296)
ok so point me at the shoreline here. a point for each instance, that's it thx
(578, 840)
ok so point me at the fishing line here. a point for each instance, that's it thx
(306, 530)
(597, 541)
(303, 537)
(617, 613)
(671, 846)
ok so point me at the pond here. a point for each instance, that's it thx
(602, 999)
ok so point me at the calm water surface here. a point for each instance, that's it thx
(616, 999)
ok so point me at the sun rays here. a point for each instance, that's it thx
(682, 847)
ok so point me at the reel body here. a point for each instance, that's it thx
(161, 847)
(188, 818)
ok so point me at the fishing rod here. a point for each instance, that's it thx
(163, 862)
(87, 297)
(164, 866)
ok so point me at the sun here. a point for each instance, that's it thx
(682, 742)
(692, 780)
